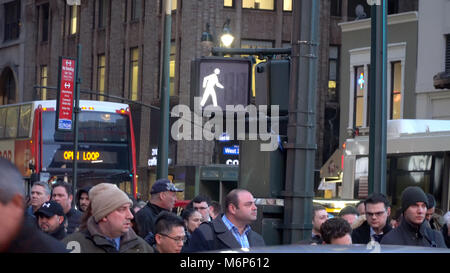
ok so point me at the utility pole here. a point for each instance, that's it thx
(76, 111)
(378, 98)
(163, 145)
(301, 146)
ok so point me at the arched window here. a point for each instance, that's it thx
(7, 87)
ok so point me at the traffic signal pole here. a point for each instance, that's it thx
(162, 170)
(378, 99)
(301, 146)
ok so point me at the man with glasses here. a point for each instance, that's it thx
(163, 198)
(201, 204)
(169, 233)
(377, 211)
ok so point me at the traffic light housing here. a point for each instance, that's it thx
(272, 79)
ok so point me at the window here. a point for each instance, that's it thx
(12, 20)
(287, 5)
(45, 21)
(447, 53)
(73, 19)
(136, 9)
(228, 3)
(43, 81)
(102, 13)
(134, 73)
(335, 7)
(359, 91)
(173, 51)
(396, 87)
(24, 120)
(333, 73)
(174, 5)
(101, 76)
(258, 4)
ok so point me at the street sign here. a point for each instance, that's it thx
(221, 81)
(66, 89)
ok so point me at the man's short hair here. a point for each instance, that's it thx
(66, 186)
(334, 228)
(201, 198)
(44, 185)
(232, 198)
(166, 221)
(348, 210)
(317, 208)
(11, 181)
(217, 206)
(375, 198)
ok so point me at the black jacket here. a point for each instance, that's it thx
(145, 219)
(409, 234)
(361, 235)
(215, 235)
(445, 235)
(33, 240)
(73, 218)
(60, 233)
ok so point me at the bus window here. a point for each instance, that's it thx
(93, 127)
(24, 122)
(12, 119)
(2, 121)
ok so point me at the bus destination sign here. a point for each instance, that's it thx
(66, 88)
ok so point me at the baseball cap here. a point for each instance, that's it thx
(50, 208)
(162, 185)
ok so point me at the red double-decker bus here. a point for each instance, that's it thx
(106, 150)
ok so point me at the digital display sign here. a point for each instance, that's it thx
(87, 156)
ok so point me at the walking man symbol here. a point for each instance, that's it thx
(209, 82)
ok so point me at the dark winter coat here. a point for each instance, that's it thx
(92, 240)
(60, 233)
(215, 235)
(145, 219)
(73, 220)
(361, 235)
(444, 231)
(32, 240)
(410, 234)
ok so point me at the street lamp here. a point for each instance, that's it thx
(227, 38)
(207, 41)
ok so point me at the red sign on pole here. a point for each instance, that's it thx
(66, 89)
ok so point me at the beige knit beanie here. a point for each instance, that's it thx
(105, 198)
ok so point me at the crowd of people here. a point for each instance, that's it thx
(107, 220)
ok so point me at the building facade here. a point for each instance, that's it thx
(121, 57)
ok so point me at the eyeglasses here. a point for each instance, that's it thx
(376, 214)
(176, 239)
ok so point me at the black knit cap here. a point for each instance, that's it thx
(412, 195)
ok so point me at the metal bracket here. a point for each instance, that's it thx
(298, 146)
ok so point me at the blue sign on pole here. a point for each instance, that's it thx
(233, 150)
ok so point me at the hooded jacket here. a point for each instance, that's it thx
(92, 240)
(409, 234)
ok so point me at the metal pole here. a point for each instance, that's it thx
(301, 147)
(378, 100)
(163, 145)
(76, 110)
